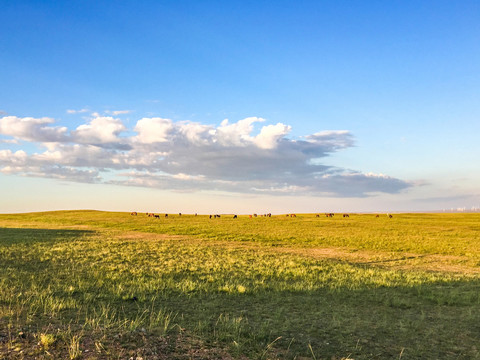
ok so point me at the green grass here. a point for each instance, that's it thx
(110, 285)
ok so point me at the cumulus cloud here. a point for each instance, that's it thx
(32, 129)
(190, 156)
(153, 130)
(20, 163)
(270, 135)
(100, 130)
(236, 134)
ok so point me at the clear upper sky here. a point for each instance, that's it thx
(239, 106)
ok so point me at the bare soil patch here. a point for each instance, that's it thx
(403, 261)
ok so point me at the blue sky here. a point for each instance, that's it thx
(331, 106)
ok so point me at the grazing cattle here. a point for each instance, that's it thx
(269, 214)
(346, 215)
(179, 214)
(134, 213)
(166, 215)
(255, 215)
(317, 215)
(250, 216)
(234, 216)
(293, 215)
(390, 216)
(329, 215)
(151, 215)
(157, 216)
(377, 215)
(210, 216)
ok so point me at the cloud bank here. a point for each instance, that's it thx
(187, 156)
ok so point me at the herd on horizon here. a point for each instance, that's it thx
(328, 215)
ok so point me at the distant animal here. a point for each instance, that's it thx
(210, 216)
(377, 215)
(179, 214)
(166, 215)
(317, 215)
(134, 213)
(151, 215)
(234, 216)
(293, 215)
(346, 215)
(390, 216)
(329, 215)
(157, 216)
(250, 216)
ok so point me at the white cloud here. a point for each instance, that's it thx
(182, 176)
(331, 137)
(9, 141)
(118, 112)
(236, 134)
(195, 133)
(153, 130)
(9, 157)
(81, 111)
(270, 135)
(32, 129)
(100, 130)
(189, 156)
(55, 172)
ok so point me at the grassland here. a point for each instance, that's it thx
(99, 285)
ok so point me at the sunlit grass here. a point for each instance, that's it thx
(261, 287)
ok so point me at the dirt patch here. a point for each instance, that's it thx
(133, 235)
(403, 261)
(136, 345)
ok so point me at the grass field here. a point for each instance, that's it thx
(101, 285)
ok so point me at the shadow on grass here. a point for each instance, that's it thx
(440, 320)
(426, 320)
(12, 236)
